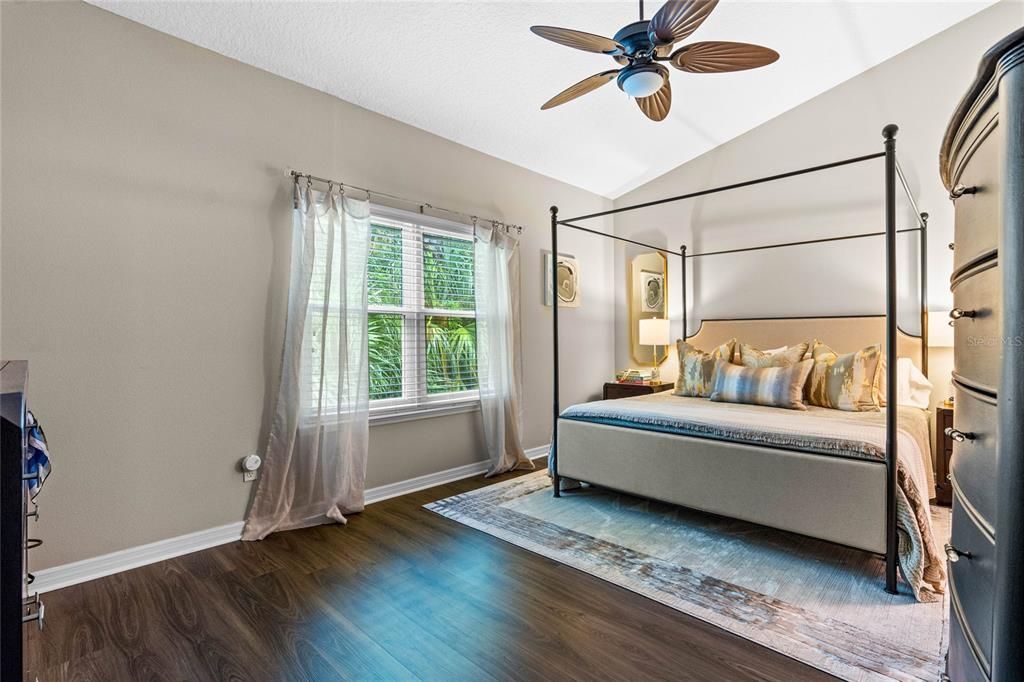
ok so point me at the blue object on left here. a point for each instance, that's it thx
(37, 456)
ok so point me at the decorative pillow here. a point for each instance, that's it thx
(777, 357)
(845, 382)
(772, 386)
(697, 368)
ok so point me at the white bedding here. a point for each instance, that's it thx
(772, 424)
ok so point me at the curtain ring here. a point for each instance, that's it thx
(309, 181)
(330, 187)
(341, 190)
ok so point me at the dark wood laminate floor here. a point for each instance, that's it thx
(398, 593)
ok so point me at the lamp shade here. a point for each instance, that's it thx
(654, 332)
(940, 334)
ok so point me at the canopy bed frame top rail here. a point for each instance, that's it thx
(893, 175)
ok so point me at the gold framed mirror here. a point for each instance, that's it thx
(648, 297)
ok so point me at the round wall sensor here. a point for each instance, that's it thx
(251, 462)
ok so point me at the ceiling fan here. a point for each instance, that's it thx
(639, 48)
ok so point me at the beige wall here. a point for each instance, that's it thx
(145, 249)
(917, 90)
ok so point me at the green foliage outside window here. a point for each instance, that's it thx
(384, 268)
(450, 352)
(385, 351)
(447, 273)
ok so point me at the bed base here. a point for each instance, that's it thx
(833, 498)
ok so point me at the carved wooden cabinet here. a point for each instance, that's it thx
(982, 166)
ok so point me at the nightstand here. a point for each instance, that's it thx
(943, 451)
(614, 389)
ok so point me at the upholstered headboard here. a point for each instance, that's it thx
(842, 334)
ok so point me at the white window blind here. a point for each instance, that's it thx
(421, 314)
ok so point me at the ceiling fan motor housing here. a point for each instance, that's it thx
(634, 37)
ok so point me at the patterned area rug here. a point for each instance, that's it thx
(814, 601)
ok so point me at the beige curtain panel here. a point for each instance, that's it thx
(496, 265)
(316, 454)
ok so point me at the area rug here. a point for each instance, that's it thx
(814, 601)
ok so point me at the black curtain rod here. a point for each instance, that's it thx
(724, 188)
(621, 239)
(801, 243)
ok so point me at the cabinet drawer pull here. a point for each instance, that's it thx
(954, 554)
(961, 190)
(957, 435)
(958, 313)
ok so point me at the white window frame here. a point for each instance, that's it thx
(415, 403)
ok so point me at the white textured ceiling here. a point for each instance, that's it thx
(472, 72)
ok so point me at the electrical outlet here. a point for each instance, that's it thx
(248, 476)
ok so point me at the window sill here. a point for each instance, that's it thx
(414, 413)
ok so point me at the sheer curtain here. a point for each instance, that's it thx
(496, 263)
(316, 454)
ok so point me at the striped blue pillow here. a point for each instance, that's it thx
(771, 386)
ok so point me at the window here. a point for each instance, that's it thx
(421, 314)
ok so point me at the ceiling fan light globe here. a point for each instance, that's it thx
(642, 83)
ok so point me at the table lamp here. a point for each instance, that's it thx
(654, 331)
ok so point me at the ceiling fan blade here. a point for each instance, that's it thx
(677, 19)
(579, 39)
(719, 57)
(581, 88)
(657, 105)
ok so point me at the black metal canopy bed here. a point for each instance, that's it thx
(806, 471)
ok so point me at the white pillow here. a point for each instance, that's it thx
(912, 387)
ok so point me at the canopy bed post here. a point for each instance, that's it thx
(923, 247)
(682, 253)
(555, 410)
(891, 539)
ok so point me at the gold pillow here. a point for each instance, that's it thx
(697, 368)
(845, 382)
(783, 357)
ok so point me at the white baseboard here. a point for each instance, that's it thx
(412, 485)
(57, 577)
